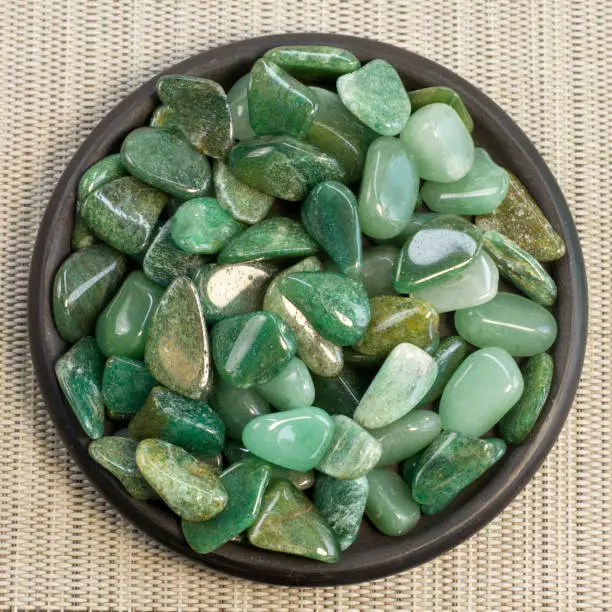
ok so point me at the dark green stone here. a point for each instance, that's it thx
(408, 466)
(81, 235)
(104, 171)
(340, 394)
(441, 95)
(164, 116)
(363, 363)
(313, 62)
(238, 100)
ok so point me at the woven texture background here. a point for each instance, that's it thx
(65, 63)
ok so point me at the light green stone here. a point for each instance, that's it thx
(417, 221)
(443, 95)
(340, 394)
(291, 388)
(378, 269)
(313, 62)
(238, 100)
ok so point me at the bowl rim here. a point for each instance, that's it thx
(465, 520)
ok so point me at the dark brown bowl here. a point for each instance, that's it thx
(373, 555)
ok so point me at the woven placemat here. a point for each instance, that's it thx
(65, 63)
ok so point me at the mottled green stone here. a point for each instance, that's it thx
(441, 95)
(520, 219)
(519, 421)
(289, 523)
(313, 62)
(82, 287)
(215, 462)
(163, 116)
(376, 95)
(339, 394)
(79, 373)
(291, 388)
(378, 269)
(238, 100)
(396, 319)
(104, 171)
(81, 235)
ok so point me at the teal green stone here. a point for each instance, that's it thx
(104, 171)
(352, 452)
(341, 503)
(291, 388)
(437, 251)
(417, 221)
(390, 505)
(329, 215)
(282, 166)
(202, 111)
(520, 268)
(441, 95)
(537, 374)
(81, 235)
(375, 94)
(278, 103)
(126, 383)
(82, 287)
(238, 99)
(117, 454)
(245, 483)
(79, 373)
(252, 349)
(378, 269)
(402, 381)
(123, 325)
(451, 463)
(176, 352)
(480, 392)
(337, 306)
(313, 62)
(480, 191)
(389, 189)
(339, 394)
(407, 436)
(509, 321)
(440, 143)
(408, 466)
(192, 489)
(124, 213)
(295, 439)
(245, 204)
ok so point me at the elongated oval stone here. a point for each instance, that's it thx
(402, 381)
(441, 95)
(79, 373)
(82, 287)
(390, 505)
(313, 62)
(191, 488)
(104, 171)
(294, 439)
(378, 269)
(289, 523)
(291, 388)
(176, 352)
(389, 189)
(514, 323)
(238, 100)
(339, 394)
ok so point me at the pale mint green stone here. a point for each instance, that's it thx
(480, 392)
(239, 108)
(403, 379)
(378, 269)
(292, 388)
(442, 147)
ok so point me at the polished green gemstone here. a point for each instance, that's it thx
(164, 116)
(417, 221)
(441, 95)
(290, 388)
(378, 269)
(81, 235)
(340, 394)
(408, 466)
(313, 62)
(82, 287)
(396, 319)
(238, 100)
(79, 373)
(104, 171)
(367, 364)
(509, 321)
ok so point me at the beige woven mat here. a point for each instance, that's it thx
(65, 63)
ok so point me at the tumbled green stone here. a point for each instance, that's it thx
(82, 287)
(378, 269)
(163, 116)
(126, 383)
(537, 374)
(313, 62)
(252, 349)
(176, 352)
(339, 394)
(238, 100)
(408, 466)
(442, 95)
(117, 454)
(191, 488)
(341, 503)
(81, 235)
(520, 268)
(375, 94)
(402, 381)
(363, 363)
(124, 213)
(417, 221)
(289, 523)
(291, 388)
(245, 483)
(451, 463)
(389, 189)
(390, 505)
(215, 462)
(509, 321)
(202, 110)
(437, 251)
(520, 219)
(79, 373)
(104, 171)
(282, 166)
(396, 319)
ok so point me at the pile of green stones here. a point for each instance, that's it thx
(259, 315)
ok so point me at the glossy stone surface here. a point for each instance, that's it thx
(441, 145)
(509, 321)
(238, 100)
(289, 523)
(104, 171)
(82, 287)
(362, 363)
(313, 62)
(396, 319)
(537, 374)
(79, 373)
(191, 488)
(389, 189)
(402, 381)
(378, 269)
(177, 352)
(408, 466)
(441, 95)
(291, 388)
(390, 505)
(340, 394)
(417, 221)
(520, 219)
